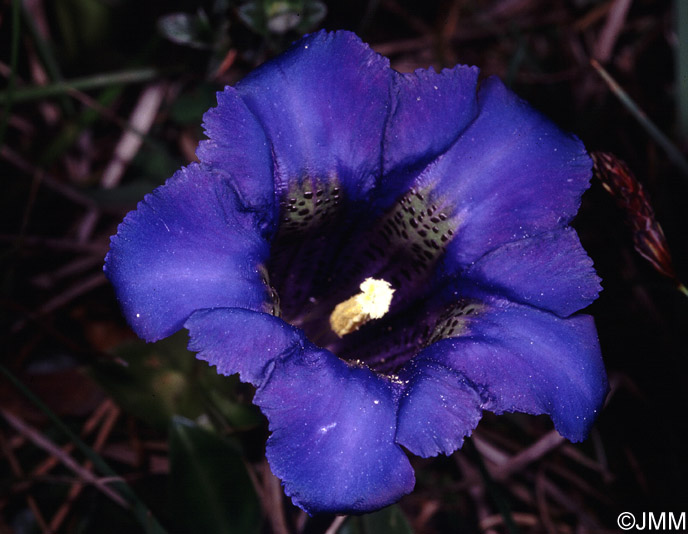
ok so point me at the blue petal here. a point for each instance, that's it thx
(550, 271)
(239, 147)
(438, 409)
(431, 110)
(323, 104)
(241, 341)
(333, 428)
(512, 174)
(516, 358)
(186, 247)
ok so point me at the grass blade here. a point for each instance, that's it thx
(662, 140)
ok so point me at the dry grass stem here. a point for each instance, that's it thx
(44, 443)
(77, 487)
(18, 472)
(535, 452)
(612, 30)
(69, 294)
(140, 122)
(336, 524)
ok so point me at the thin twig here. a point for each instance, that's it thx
(569, 504)
(449, 27)
(96, 106)
(64, 298)
(89, 426)
(78, 266)
(537, 450)
(575, 481)
(611, 30)
(66, 191)
(77, 487)
(19, 473)
(36, 22)
(592, 16)
(520, 518)
(279, 522)
(489, 451)
(469, 31)
(336, 524)
(143, 514)
(577, 456)
(475, 486)
(227, 63)
(541, 499)
(272, 500)
(140, 120)
(44, 443)
(87, 225)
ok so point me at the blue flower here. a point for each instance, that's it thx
(383, 255)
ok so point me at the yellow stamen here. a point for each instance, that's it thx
(371, 303)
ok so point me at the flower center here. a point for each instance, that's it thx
(327, 243)
(371, 303)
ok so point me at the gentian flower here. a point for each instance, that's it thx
(382, 255)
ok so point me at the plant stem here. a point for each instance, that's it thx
(79, 84)
(662, 140)
(140, 510)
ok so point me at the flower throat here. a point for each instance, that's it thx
(335, 268)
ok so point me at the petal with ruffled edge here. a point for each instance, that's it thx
(241, 341)
(333, 429)
(238, 146)
(430, 111)
(333, 425)
(323, 104)
(512, 174)
(550, 271)
(516, 358)
(438, 410)
(332, 441)
(187, 246)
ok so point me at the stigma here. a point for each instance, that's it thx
(371, 303)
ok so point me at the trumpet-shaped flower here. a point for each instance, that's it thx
(383, 255)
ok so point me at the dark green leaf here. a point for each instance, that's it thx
(83, 24)
(127, 195)
(154, 162)
(152, 381)
(239, 416)
(155, 381)
(189, 107)
(390, 520)
(211, 489)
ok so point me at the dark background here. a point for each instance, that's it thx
(63, 336)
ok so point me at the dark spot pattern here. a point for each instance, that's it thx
(326, 246)
(453, 322)
(273, 305)
(309, 211)
(417, 229)
(405, 244)
(307, 205)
